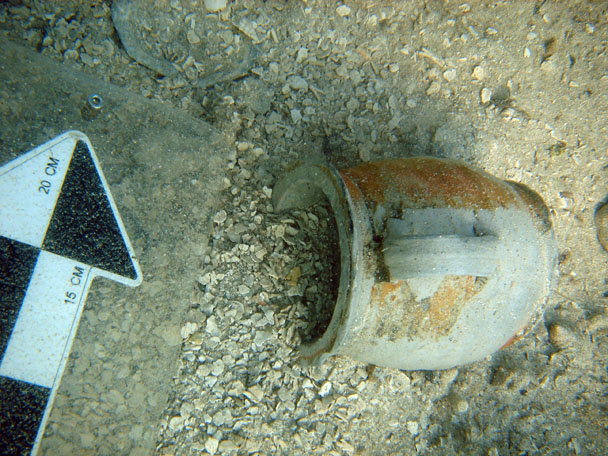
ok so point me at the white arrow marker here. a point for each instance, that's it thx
(59, 228)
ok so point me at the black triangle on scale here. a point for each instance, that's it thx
(17, 263)
(83, 226)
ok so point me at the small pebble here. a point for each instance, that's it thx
(203, 370)
(211, 327)
(433, 88)
(243, 289)
(478, 73)
(548, 66)
(343, 10)
(412, 427)
(352, 104)
(227, 36)
(176, 423)
(220, 217)
(186, 410)
(227, 446)
(193, 38)
(560, 336)
(297, 83)
(188, 329)
(301, 55)
(256, 392)
(296, 115)
(449, 75)
(486, 95)
(462, 406)
(71, 54)
(531, 36)
(211, 445)
(261, 337)
(242, 146)
(325, 389)
(218, 367)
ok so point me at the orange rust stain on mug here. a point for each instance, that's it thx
(429, 182)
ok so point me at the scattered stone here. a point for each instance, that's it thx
(297, 83)
(325, 389)
(352, 104)
(296, 115)
(462, 406)
(217, 367)
(244, 290)
(220, 217)
(211, 445)
(412, 427)
(203, 370)
(433, 88)
(449, 75)
(548, 66)
(223, 417)
(211, 326)
(479, 73)
(485, 95)
(227, 446)
(343, 10)
(186, 410)
(256, 393)
(261, 337)
(188, 329)
(302, 55)
(243, 146)
(560, 336)
(227, 36)
(193, 38)
(176, 423)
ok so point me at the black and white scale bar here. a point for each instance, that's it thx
(59, 228)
